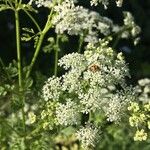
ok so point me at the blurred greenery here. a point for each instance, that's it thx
(138, 57)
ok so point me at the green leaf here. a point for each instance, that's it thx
(28, 83)
(50, 46)
(68, 131)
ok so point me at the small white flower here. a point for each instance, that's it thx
(41, 3)
(119, 3)
(144, 82)
(88, 136)
(32, 117)
(68, 113)
(52, 89)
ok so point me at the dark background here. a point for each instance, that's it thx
(138, 57)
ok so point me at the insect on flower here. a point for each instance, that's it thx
(94, 67)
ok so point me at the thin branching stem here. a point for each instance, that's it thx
(34, 21)
(39, 44)
(18, 44)
(81, 40)
(56, 55)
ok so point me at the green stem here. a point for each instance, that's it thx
(116, 41)
(18, 49)
(35, 54)
(34, 21)
(90, 116)
(36, 130)
(9, 126)
(81, 40)
(56, 56)
(41, 38)
(19, 64)
(11, 5)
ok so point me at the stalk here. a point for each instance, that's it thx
(35, 54)
(33, 20)
(18, 48)
(81, 40)
(56, 56)
(41, 38)
(116, 41)
(19, 65)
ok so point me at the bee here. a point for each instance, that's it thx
(94, 68)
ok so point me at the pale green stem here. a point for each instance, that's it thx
(56, 56)
(9, 126)
(116, 41)
(45, 30)
(34, 21)
(90, 116)
(18, 49)
(81, 40)
(35, 54)
(11, 5)
(19, 64)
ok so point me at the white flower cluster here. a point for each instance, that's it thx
(143, 90)
(73, 19)
(89, 86)
(76, 20)
(115, 106)
(51, 90)
(105, 3)
(88, 78)
(68, 113)
(41, 3)
(133, 29)
(88, 136)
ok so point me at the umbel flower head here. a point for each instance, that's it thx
(88, 78)
(140, 111)
(76, 20)
(89, 86)
(106, 3)
(68, 114)
(88, 136)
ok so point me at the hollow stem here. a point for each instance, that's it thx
(19, 65)
(56, 55)
(35, 54)
(33, 20)
(81, 40)
(39, 44)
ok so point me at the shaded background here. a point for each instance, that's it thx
(138, 57)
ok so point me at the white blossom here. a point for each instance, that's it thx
(68, 113)
(71, 61)
(71, 81)
(52, 89)
(88, 136)
(144, 82)
(119, 3)
(143, 90)
(114, 107)
(92, 100)
(76, 20)
(41, 3)
(105, 3)
(132, 29)
(32, 117)
(90, 81)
